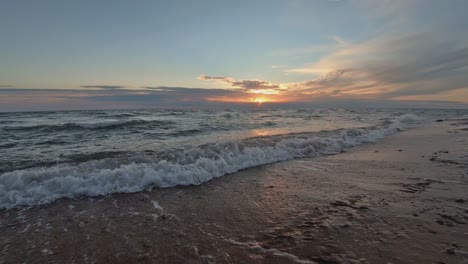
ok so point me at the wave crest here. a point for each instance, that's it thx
(91, 126)
(191, 166)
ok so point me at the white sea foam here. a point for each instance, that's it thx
(460, 118)
(43, 185)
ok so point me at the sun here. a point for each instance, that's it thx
(259, 100)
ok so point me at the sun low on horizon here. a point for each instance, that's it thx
(259, 100)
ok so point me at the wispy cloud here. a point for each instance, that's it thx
(255, 85)
(199, 93)
(6, 86)
(405, 56)
(249, 86)
(104, 86)
(279, 66)
(216, 78)
(391, 66)
(334, 43)
(12, 99)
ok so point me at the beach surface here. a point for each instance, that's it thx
(403, 199)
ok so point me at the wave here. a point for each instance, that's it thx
(119, 156)
(122, 115)
(190, 166)
(461, 118)
(186, 133)
(46, 128)
(92, 126)
(269, 124)
(4, 122)
(8, 145)
(53, 142)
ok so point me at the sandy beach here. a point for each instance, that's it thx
(403, 199)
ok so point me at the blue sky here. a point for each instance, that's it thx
(281, 51)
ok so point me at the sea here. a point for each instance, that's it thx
(45, 156)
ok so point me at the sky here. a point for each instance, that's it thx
(106, 54)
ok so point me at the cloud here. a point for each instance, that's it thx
(150, 97)
(386, 67)
(199, 92)
(309, 49)
(337, 78)
(104, 86)
(279, 66)
(215, 78)
(406, 55)
(391, 66)
(248, 86)
(255, 85)
(6, 86)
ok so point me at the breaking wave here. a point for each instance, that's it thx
(91, 126)
(190, 166)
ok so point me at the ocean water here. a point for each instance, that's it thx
(45, 156)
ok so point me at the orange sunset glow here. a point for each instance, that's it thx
(260, 100)
(256, 100)
(260, 96)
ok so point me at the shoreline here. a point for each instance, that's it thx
(402, 199)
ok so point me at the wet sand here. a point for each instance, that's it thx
(401, 200)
